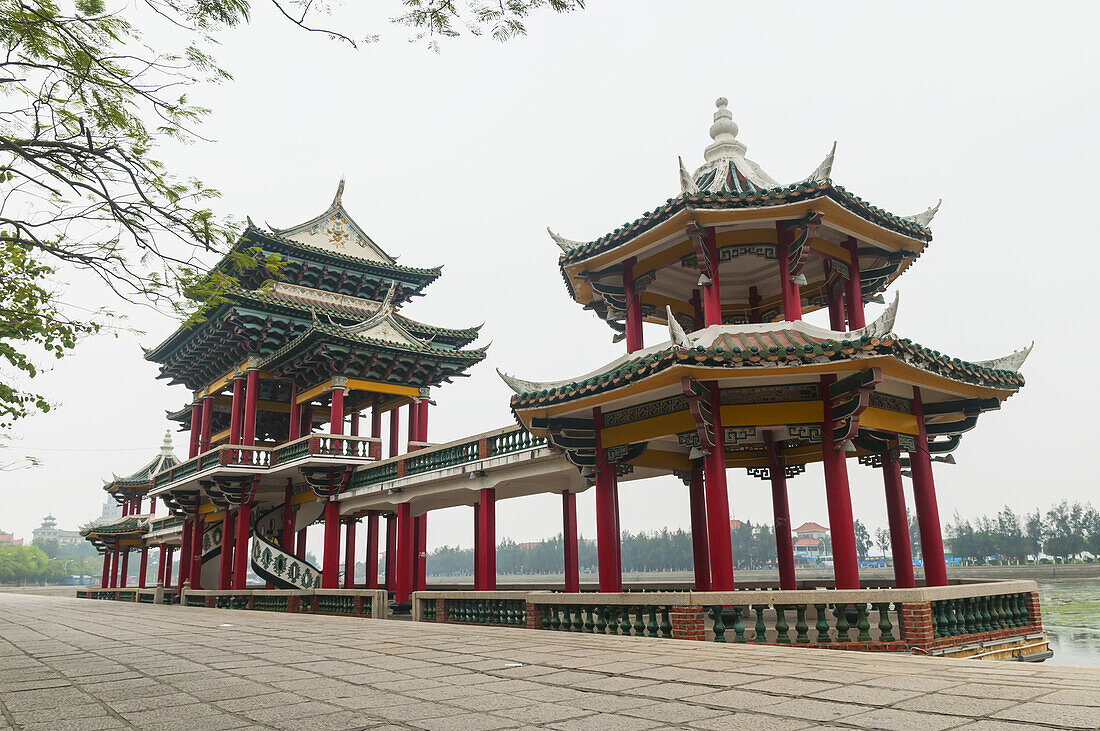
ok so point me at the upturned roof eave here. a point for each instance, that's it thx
(577, 260)
(1001, 383)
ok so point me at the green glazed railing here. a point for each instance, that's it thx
(971, 615)
(441, 458)
(334, 604)
(269, 603)
(517, 440)
(292, 451)
(643, 620)
(486, 611)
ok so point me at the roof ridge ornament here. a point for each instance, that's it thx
(1011, 362)
(687, 184)
(338, 199)
(724, 133)
(518, 384)
(566, 245)
(882, 325)
(166, 445)
(676, 332)
(824, 170)
(924, 218)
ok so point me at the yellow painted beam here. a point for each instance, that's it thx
(222, 436)
(830, 249)
(304, 497)
(661, 460)
(663, 258)
(216, 386)
(893, 421)
(790, 412)
(314, 392)
(358, 384)
(207, 508)
(640, 431)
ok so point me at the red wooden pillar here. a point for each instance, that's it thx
(286, 540)
(225, 575)
(900, 549)
(421, 524)
(853, 292)
(152, 505)
(207, 421)
(414, 426)
(241, 555)
(307, 421)
(353, 421)
(196, 428)
(924, 501)
(251, 399)
(698, 322)
(792, 298)
(375, 421)
(405, 569)
(839, 499)
(569, 541)
(781, 513)
(161, 564)
(718, 504)
(712, 295)
(143, 566)
(607, 521)
(634, 339)
(700, 546)
(185, 551)
(105, 578)
(125, 568)
(349, 554)
(336, 410)
(330, 562)
(487, 538)
(395, 432)
(754, 305)
(424, 404)
(198, 528)
(372, 551)
(391, 552)
(478, 583)
(300, 544)
(236, 410)
(834, 296)
(138, 499)
(169, 553)
(112, 574)
(295, 430)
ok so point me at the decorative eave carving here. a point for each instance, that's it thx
(1011, 362)
(566, 245)
(924, 218)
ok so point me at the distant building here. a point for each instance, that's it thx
(111, 511)
(49, 531)
(809, 541)
(9, 539)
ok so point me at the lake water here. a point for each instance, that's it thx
(1071, 618)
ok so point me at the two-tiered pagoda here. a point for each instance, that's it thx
(731, 265)
(310, 343)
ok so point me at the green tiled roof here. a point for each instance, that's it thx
(785, 347)
(793, 193)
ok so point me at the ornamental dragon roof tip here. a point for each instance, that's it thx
(687, 183)
(882, 325)
(566, 245)
(676, 332)
(518, 385)
(925, 218)
(1014, 361)
(824, 170)
(338, 199)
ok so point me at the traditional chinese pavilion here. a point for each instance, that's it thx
(731, 265)
(281, 370)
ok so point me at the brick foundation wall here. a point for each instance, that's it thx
(916, 624)
(1033, 613)
(687, 623)
(440, 610)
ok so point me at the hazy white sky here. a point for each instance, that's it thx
(464, 158)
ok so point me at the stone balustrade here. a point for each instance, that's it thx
(961, 619)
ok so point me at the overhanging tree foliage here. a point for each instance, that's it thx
(86, 104)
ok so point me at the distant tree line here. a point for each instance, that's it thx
(1066, 531)
(44, 562)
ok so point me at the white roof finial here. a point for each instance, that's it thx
(339, 199)
(724, 134)
(166, 445)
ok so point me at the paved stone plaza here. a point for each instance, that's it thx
(82, 664)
